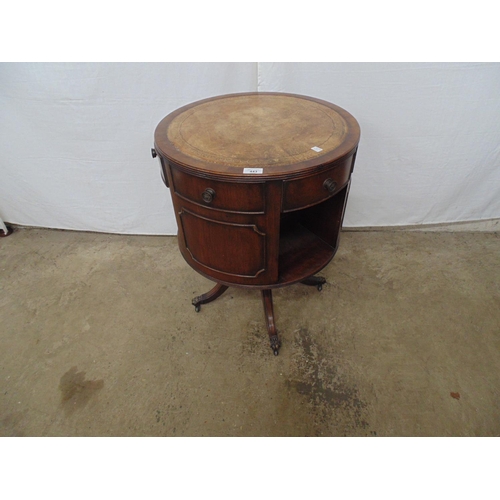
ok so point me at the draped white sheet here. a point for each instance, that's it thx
(76, 138)
(430, 136)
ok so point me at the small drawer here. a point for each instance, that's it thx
(303, 193)
(226, 196)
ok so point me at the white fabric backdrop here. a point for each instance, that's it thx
(76, 138)
(430, 136)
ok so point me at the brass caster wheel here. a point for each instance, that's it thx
(316, 281)
(275, 344)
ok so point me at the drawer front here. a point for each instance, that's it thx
(218, 195)
(302, 193)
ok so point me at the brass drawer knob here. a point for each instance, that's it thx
(330, 185)
(208, 195)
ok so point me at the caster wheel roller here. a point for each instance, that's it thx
(320, 287)
(197, 308)
(275, 344)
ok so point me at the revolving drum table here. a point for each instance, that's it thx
(259, 184)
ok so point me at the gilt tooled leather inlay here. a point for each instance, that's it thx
(257, 130)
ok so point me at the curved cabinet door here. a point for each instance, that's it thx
(237, 250)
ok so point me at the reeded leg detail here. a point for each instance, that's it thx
(213, 294)
(316, 281)
(267, 300)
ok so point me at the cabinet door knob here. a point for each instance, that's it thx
(330, 185)
(208, 195)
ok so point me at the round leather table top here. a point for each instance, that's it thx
(276, 133)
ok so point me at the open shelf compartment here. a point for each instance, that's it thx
(302, 254)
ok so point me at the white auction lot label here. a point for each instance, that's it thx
(253, 170)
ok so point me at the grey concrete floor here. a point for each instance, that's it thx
(98, 337)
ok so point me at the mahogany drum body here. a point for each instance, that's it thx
(259, 184)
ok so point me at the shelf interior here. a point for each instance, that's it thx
(302, 253)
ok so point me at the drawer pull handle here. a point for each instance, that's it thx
(330, 185)
(208, 195)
